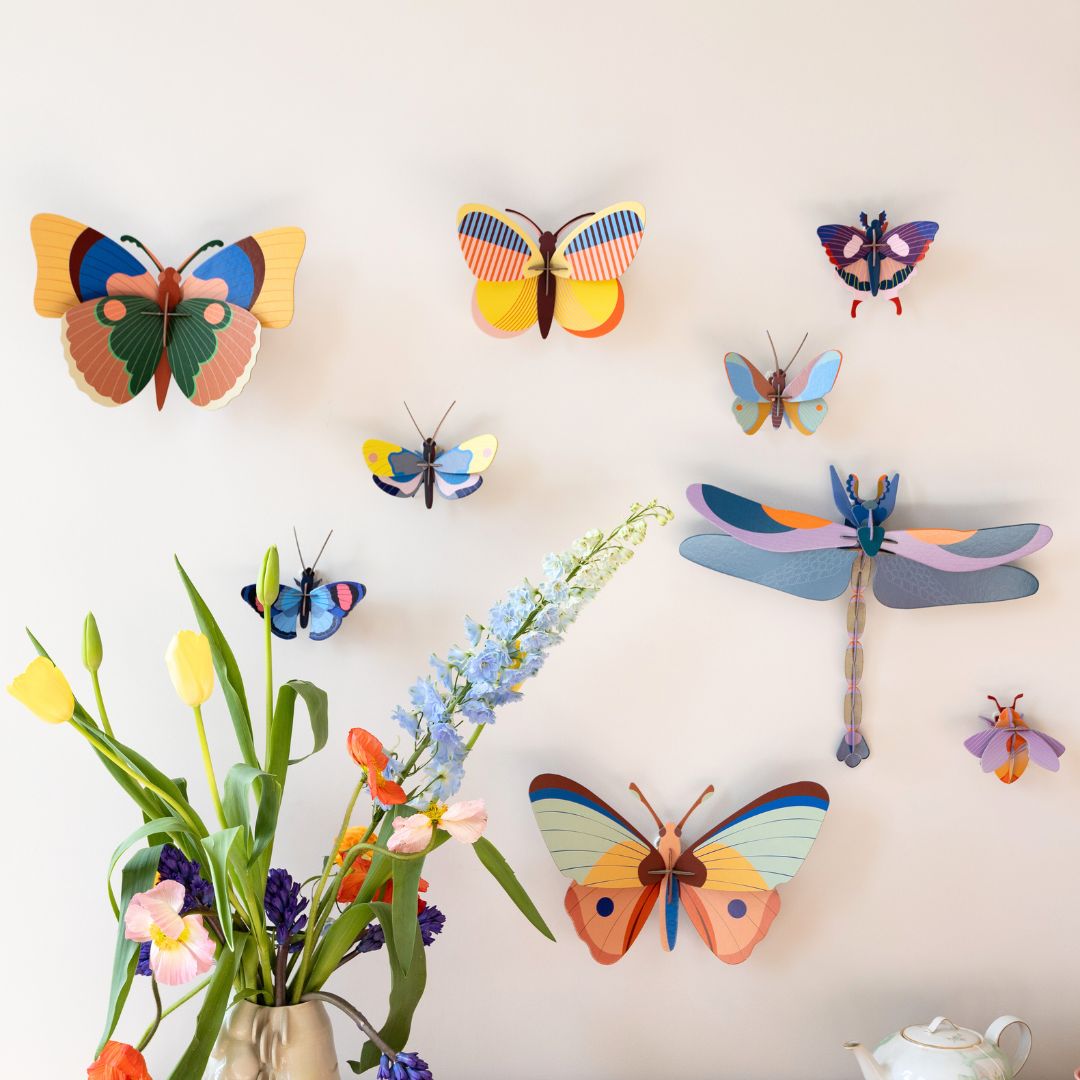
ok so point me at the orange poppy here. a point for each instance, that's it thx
(118, 1061)
(367, 752)
(358, 872)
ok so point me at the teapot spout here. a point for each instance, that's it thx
(870, 1068)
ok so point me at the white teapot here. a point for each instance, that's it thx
(942, 1051)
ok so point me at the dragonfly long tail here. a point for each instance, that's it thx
(853, 747)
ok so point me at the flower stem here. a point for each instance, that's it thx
(208, 766)
(269, 637)
(162, 1013)
(101, 705)
(152, 1029)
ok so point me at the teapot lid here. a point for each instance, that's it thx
(942, 1034)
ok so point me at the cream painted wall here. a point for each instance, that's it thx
(933, 888)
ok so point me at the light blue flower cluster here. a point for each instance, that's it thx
(471, 683)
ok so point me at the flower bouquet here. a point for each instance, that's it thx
(200, 906)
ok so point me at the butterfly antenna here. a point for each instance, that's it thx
(526, 217)
(125, 239)
(572, 220)
(656, 817)
(796, 352)
(700, 799)
(444, 416)
(298, 551)
(413, 419)
(776, 359)
(321, 550)
(199, 251)
(1015, 700)
(990, 697)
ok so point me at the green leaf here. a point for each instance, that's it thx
(228, 671)
(242, 781)
(405, 875)
(406, 990)
(281, 728)
(336, 942)
(157, 825)
(500, 870)
(219, 848)
(208, 1025)
(138, 876)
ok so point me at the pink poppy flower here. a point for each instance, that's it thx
(464, 821)
(180, 947)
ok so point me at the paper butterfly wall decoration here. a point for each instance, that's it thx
(122, 326)
(876, 260)
(322, 607)
(726, 881)
(818, 559)
(574, 281)
(1008, 743)
(799, 404)
(454, 472)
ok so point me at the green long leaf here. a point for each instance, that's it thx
(208, 1025)
(500, 870)
(138, 876)
(406, 990)
(336, 942)
(242, 781)
(281, 730)
(228, 671)
(157, 825)
(219, 847)
(405, 875)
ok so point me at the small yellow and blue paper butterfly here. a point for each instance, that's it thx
(454, 472)
(799, 403)
(574, 281)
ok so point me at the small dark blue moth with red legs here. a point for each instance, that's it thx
(315, 605)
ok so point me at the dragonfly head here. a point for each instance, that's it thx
(859, 511)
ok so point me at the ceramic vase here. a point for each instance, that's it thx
(291, 1042)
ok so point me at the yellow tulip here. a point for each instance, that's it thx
(190, 667)
(43, 689)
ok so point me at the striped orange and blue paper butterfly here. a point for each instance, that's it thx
(799, 403)
(123, 325)
(726, 881)
(317, 607)
(454, 472)
(524, 280)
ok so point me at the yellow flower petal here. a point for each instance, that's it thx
(43, 689)
(191, 667)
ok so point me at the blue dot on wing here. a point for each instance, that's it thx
(605, 906)
(736, 908)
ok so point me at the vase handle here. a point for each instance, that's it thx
(997, 1029)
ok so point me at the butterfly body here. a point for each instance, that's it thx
(874, 259)
(725, 881)
(123, 325)
(576, 278)
(799, 402)
(1009, 743)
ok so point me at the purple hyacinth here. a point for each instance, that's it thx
(284, 906)
(198, 894)
(430, 922)
(407, 1065)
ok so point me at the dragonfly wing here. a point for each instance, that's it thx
(967, 549)
(902, 583)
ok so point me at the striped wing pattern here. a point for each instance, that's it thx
(494, 247)
(603, 247)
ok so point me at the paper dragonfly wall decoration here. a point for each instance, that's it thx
(1008, 743)
(799, 404)
(122, 326)
(818, 559)
(454, 472)
(726, 881)
(322, 607)
(574, 281)
(876, 260)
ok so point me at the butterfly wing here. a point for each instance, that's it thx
(606, 858)
(602, 247)
(816, 575)
(766, 527)
(212, 346)
(457, 469)
(816, 379)
(728, 878)
(903, 583)
(330, 604)
(395, 470)
(283, 612)
(1043, 749)
(76, 263)
(844, 244)
(965, 550)
(752, 392)
(256, 273)
(908, 243)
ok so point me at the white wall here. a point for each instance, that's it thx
(933, 888)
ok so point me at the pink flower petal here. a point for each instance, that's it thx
(198, 942)
(465, 821)
(163, 903)
(137, 921)
(173, 965)
(410, 834)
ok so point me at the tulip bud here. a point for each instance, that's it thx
(191, 667)
(43, 689)
(269, 584)
(91, 643)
